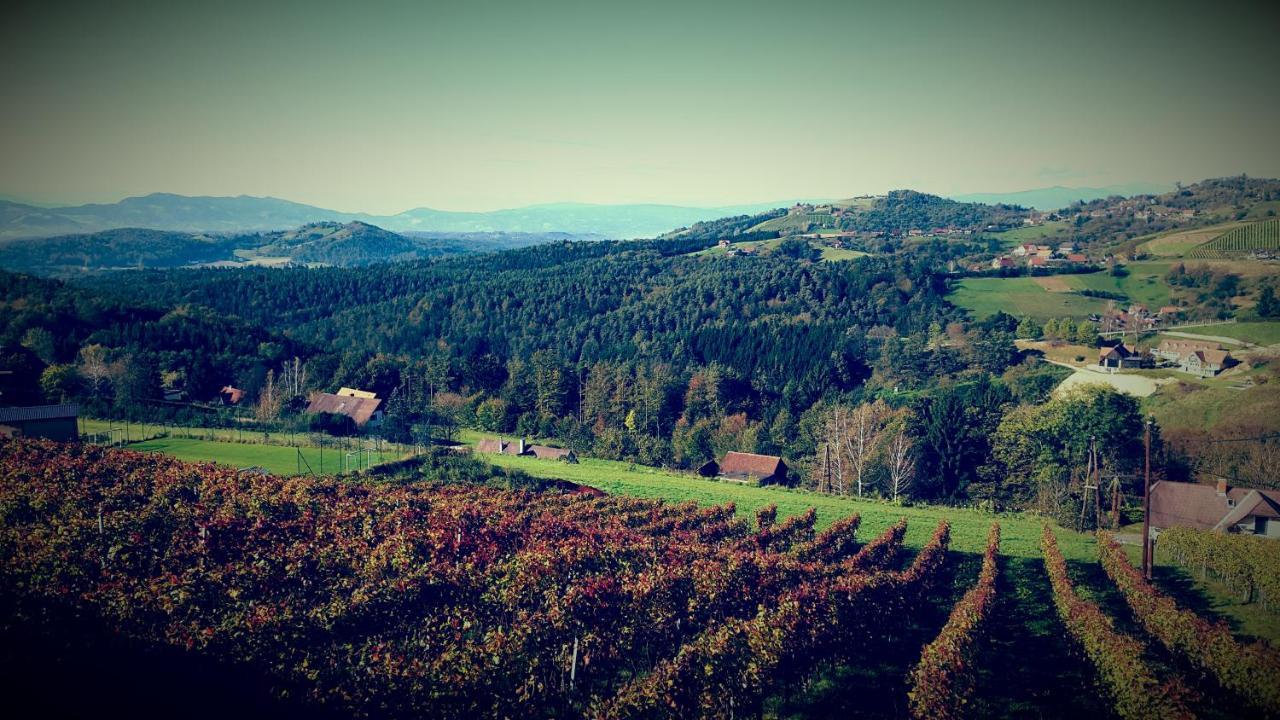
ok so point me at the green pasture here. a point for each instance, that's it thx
(1021, 297)
(1030, 233)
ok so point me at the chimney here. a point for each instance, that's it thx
(521, 447)
(1222, 487)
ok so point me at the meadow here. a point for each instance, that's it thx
(1054, 296)
(1021, 297)
(1030, 233)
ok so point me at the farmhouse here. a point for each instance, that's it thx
(1175, 349)
(362, 410)
(1215, 507)
(751, 468)
(499, 446)
(51, 422)
(1119, 357)
(1202, 359)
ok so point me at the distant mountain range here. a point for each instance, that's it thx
(1058, 197)
(243, 213)
(164, 211)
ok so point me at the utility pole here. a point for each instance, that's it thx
(1146, 503)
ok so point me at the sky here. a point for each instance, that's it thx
(381, 107)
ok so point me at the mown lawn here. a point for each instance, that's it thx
(276, 459)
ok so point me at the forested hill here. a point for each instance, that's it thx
(773, 319)
(321, 243)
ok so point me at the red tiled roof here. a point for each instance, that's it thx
(750, 464)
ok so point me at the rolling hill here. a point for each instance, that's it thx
(1058, 197)
(322, 243)
(167, 211)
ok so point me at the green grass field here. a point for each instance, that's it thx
(1029, 233)
(830, 254)
(276, 459)
(1021, 296)
(1258, 333)
(1029, 296)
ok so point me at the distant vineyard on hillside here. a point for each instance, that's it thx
(1244, 239)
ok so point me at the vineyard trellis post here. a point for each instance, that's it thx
(1146, 501)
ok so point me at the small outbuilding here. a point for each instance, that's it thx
(51, 422)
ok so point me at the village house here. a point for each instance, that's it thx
(364, 408)
(51, 422)
(1218, 507)
(747, 468)
(1004, 261)
(1196, 357)
(500, 446)
(1119, 357)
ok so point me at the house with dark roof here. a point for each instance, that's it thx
(51, 422)
(1219, 508)
(1120, 356)
(752, 469)
(499, 446)
(362, 410)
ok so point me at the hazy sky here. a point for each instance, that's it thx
(382, 107)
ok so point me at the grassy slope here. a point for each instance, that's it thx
(1259, 333)
(1021, 296)
(1029, 233)
(970, 527)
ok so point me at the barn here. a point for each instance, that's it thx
(751, 468)
(51, 422)
(362, 410)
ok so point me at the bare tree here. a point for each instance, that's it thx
(269, 400)
(860, 438)
(94, 366)
(901, 459)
